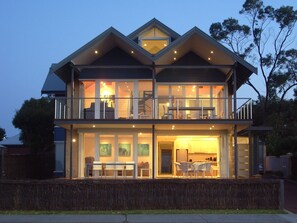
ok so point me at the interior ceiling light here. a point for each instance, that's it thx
(94, 126)
(165, 44)
(132, 51)
(174, 58)
(96, 51)
(175, 52)
(209, 58)
(145, 44)
(133, 126)
(211, 52)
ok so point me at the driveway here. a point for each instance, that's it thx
(291, 196)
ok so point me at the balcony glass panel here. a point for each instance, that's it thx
(125, 102)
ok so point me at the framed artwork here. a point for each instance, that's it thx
(143, 149)
(124, 149)
(105, 149)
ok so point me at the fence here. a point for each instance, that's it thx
(140, 194)
(29, 166)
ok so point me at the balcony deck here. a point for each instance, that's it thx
(152, 109)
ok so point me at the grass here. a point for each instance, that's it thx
(125, 212)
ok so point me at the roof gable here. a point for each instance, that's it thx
(149, 25)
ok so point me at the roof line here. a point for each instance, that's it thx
(107, 32)
(199, 32)
(157, 23)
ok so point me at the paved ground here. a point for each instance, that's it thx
(179, 218)
(291, 196)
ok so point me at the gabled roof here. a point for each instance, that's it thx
(209, 49)
(12, 141)
(103, 43)
(194, 40)
(154, 23)
(53, 84)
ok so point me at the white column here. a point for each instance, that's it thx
(96, 149)
(116, 107)
(135, 100)
(81, 152)
(135, 152)
(97, 99)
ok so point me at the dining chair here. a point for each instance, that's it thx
(178, 168)
(97, 169)
(186, 168)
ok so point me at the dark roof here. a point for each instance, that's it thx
(12, 141)
(53, 84)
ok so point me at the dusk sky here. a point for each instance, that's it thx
(37, 33)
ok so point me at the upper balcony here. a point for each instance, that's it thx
(152, 108)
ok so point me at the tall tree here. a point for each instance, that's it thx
(36, 121)
(2, 134)
(266, 40)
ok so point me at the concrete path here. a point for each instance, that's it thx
(174, 218)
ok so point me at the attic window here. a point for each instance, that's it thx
(154, 40)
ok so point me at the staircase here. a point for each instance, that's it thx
(145, 105)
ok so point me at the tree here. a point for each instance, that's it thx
(35, 120)
(265, 40)
(2, 134)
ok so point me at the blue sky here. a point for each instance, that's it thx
(36, 33)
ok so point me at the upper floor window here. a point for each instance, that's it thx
(154, 40)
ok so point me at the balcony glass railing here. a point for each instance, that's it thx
(149, 108)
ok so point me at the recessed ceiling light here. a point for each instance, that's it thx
(133, 126)
(94, 126)
(165, 44)
(210, 128)
(174, 58)
(209, 58)
(73, 140)
(96, 52)
(145, 44)
(132, 51)
(211, 52)
(175, 52)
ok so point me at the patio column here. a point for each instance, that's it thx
(235, 126)
(153, 152)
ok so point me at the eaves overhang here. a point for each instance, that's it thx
(210, 50)
(103, 43)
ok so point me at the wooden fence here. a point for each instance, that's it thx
(27, 166)
(140, 194)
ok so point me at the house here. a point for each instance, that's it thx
(14, 146)
(140, 105)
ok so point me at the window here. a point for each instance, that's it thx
(154, 40)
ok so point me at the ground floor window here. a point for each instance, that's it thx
(130, 154)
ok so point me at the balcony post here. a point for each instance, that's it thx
(153, 90)
(235, 126)
(72, 92)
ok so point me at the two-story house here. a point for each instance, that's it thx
(142, 105)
